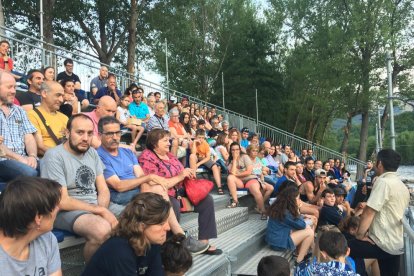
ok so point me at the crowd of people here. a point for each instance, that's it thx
(123, 198)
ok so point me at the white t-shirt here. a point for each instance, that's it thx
(124, 114)
(389, 198)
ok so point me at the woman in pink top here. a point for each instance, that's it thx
(157, 159)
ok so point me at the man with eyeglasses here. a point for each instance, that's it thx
(122, 172)
(85, 207)
(68, 74)
(138, 108)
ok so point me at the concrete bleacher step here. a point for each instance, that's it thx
(236, 242)
(250, 265)
(225, 220)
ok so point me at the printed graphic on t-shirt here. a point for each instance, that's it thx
(84, 180)
(37, 271)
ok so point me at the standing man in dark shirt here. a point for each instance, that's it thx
(31, 99)
(68, 73)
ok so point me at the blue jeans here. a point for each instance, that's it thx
(123, 198)
(10, 169)
(271, 179)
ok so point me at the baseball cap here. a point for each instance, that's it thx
(339, 191)
(320, 172)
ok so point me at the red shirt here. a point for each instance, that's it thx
(3, 65)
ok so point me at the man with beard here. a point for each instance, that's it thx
(85, 206)
(18, 151)
(31, 99)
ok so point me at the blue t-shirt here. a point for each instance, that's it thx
(121, 165)
(244, 143)
(104, 91)
(140, 111)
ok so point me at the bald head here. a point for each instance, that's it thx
(7, 88)
(52, 95)
(103, 72)
(106, 107)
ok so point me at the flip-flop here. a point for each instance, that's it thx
(213, 252)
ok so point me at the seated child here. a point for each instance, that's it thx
(201, 155)
(340, 195)
(333, 252)
(273, 266)
(176, 258)
(330, 214)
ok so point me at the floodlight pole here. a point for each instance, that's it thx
(166, 65)
(222, 88)
(390, 99)
(41, 32)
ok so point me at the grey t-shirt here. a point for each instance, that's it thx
(44, 258)
(78, 174)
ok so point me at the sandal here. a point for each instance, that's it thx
(233, 204)
(220, 191)
(263, 216)
(213, 252)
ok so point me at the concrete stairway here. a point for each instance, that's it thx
(240, 236)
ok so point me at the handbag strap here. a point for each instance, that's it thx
(49, 130)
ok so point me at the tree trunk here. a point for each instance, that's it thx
(132, 37)
(363, 137)
(2, 22)
(48, 7)
(347, 130)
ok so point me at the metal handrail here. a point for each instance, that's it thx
(236, 119)
(407, 266)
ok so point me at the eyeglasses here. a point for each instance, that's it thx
(111, 134)
(136, 91)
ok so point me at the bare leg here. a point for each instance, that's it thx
(254, 189)
(268, 191)
(193, 161)
(217, 176)
(232, 183)
(95, 230)
(304, 240)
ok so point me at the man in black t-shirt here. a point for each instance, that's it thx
(31, 99)
(68, 74)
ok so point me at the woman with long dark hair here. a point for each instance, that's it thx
(135, 245)
(286, 228)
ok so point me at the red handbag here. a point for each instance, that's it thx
(197, 189)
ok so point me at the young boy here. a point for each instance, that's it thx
(273, 266)
(201, 155)
(334, 249)
(330, 214)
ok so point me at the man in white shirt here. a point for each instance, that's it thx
(380, 232)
